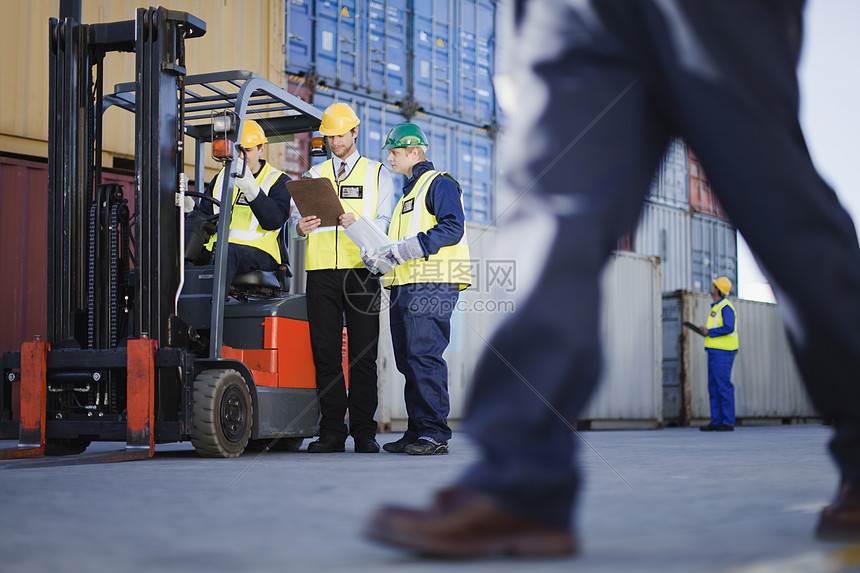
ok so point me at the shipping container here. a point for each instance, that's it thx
(631, 380)
(361, 46)
(669, 186)
(296, 154)
(630, 391)
(239, 35)
(23, 247)
(664, 232)
(702, 197)
(467, 152)
(476, 56)
(768, 387)
(694, 248)
(299, 41)
(453, 48)
(714, 252)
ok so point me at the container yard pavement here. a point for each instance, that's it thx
(668, 500)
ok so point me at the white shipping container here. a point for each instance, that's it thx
(669, 186)
(630, 389)
(664, 231)
(631, 382)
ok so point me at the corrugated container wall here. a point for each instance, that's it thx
(702, 197)
(245, 35)
(630, 388)
(631, 383)
(767, 383)
(664, 232)
(466, 152)
(669, 186)
(714, 252)
(361, 46)
(364, 46)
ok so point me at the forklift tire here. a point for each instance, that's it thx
(223, 414)
(276, 444)
(66, 446)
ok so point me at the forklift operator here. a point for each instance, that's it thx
(261, 206)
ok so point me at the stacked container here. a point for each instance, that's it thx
(428, 61)
(683, 223)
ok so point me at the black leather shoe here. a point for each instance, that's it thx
(426, 448)
(397, 446)
(840, 521)
(724, 428)
(326, 445)
(366, 446)
(708, 428)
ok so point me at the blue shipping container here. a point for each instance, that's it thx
(376, 117)
(475, 56)
(299, 36)
(360, 46)
(466, 152)
(453, 45)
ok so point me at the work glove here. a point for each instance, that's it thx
(248, 185)
(382, 260)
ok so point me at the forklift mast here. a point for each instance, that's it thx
(91, 297)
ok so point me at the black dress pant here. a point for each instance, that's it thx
(331, 295)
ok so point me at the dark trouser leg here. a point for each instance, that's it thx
(244, 259)
(739, 113)
(425, 313)
(362, 328)
(398, 341)
(325, 317)
(594, 145)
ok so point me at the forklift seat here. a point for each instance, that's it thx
(267, 282)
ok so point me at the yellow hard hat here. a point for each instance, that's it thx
(252, 134)
(337, 119)
(723, 284)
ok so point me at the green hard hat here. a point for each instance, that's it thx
(405, 135)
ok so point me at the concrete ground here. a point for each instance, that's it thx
(669, 500)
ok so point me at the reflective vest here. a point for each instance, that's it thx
(450, 265)
(715, 320)
(244, 227)
(330, 247)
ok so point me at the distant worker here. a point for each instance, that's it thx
(721, 344)
(338, 283)
(261, 206)
(603, 84)
(426, 268)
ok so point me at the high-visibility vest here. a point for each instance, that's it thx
(715, 320)
(450, 265)
(330, 247)
(244, 227)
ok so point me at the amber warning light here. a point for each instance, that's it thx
(222, 149)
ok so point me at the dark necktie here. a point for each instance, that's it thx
(341, 172)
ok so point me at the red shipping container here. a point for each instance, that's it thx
(702, 197)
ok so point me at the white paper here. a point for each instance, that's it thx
(367, 235)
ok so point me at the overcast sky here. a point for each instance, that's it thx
(829, 108)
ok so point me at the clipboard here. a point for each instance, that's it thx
(693, 327)
(316, 197)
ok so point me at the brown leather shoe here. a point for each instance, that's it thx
(840, 521)
(462, 524)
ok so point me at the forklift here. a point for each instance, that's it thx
(140, 346)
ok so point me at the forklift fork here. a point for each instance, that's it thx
(140, 440)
